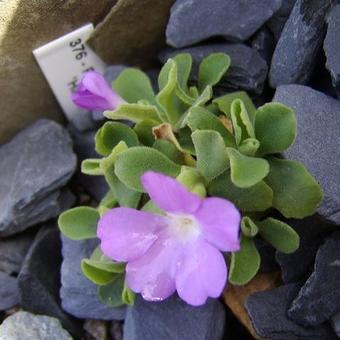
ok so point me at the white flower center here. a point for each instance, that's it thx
(185, 227)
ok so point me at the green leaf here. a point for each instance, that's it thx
(224, 103)
(242, 125)
(297, 194)
(91, 166)
(144, 132)
(111, 294)
(109, 200)
(193, 180)
(275, 128)
(204, 97)
(259, 197)
(201, 119)
(96, 275)
(134, 162)
(169, 150)
(212, 69)
(279, 234)
(128, 296)
(245, 263)
(256, 198)
(249, 146)
(110, 134)
(184, 64)
(106, 265)
(135, 113)
(212, 156)
(248, 227)
(184, 139)
(246, 171)
(133, 85)
(79, 223)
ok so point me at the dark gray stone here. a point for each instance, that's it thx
(318, 140)
(24, 325)
(278, 20)
(263, 42)
(174, 319)
(33, 166)
(192, 21)
(39, 278)
(267, 254)
(79, 295)
(299, 265)
(332, 47)
(13, 251)
(267, 311)
(335, 322)
(300, 43)
(248, 70)
(319, 299)
(9, 296)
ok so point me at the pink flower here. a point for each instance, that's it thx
(94, 93)
(180, 250)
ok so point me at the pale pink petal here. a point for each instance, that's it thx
(201, 274)
(153, 274)
(126, 233)
(169, 194)
(220, 223)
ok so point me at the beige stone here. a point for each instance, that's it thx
(24, 26)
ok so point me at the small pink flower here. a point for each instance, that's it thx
(94, 93)
(180, 250)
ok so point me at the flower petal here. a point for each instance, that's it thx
(202, 273)
(220, 223)
(126, 233)
(90, 102)
(153, 275)
(169, 194)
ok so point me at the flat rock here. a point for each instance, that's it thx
(317, 142)
(299, 265)
(335, 322)
(24, 325)
(9, 296)
(174, 319)
(13, 251)
(79, 295)
(300, 42)
(248, 70)
(319, 299)
(332, 47)
(34, 165)
(192, 21)
(267, 311)
(263, 42)
(39, 278)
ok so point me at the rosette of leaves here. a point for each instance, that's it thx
(221, 146)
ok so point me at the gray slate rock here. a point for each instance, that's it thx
(268, 313)
(300, 43)
(248, 70)
(39, 278)
(9, 296)
(332, 47)
(263, 42)
(318, 140)
(192, 21)
(24, 325)
(299, 265)
(174, 319)
(319, 299)
(335, 322)
(34, 165)
(79, 296)
(13, 251)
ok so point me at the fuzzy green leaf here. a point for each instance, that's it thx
(91, 166)
(212, 69)
(110, 134)
(275, 128)
(211, 153)
(134, 85)
(193, 180)
(128, 296)
(248, 227)
(246, 171)
(259, 197)
(169, 150)
(279, 234)
(184, 64)
(245, 263)
(79, 223)
(134, 162)
(249, 146)
(111, 294)
(106, 265)
(95, 274)
(297, 194)
(135, 112)
(108, 202)
(144, 132)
